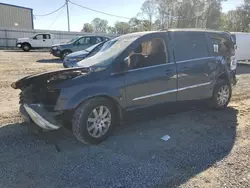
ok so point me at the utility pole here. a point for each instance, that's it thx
(196, 22)
(67, 4)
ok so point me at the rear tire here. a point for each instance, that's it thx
(26, 47)
(90, 125)
(221, 95)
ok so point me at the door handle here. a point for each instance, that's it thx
(43, 40)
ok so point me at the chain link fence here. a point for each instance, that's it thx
(9, 36)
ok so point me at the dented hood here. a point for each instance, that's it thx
(49, 77)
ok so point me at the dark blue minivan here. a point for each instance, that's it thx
(132, 71)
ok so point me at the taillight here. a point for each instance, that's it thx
(233, 63)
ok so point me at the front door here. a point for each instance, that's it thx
(152, 79)
(37, 41)
(195, 68)
(42, 41)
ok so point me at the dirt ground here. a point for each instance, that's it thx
(206, 149)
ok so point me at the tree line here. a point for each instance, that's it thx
(164, 14)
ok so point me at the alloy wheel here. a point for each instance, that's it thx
(99, 121)
(223, 95)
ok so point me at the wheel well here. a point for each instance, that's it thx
(116, 105)
(223, 76)
(113, 101)
(26, 43)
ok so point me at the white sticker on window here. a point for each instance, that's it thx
(216, 48)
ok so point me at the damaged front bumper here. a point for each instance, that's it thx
(38, 114)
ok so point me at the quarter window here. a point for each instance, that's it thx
(190, 46)
(148, 53)
(220, 46)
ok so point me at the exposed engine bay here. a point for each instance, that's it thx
(39, 95)
(41, 88)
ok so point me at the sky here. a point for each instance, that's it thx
(79, 16)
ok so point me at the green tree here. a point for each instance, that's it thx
(111, 30)
(99, 25)
(135, 24)
(149, 10)
(122, 27)
(237, 20)
(88, 28)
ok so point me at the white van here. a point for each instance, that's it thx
(242, 40)
(39, 40)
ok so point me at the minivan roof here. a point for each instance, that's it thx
(174, 30)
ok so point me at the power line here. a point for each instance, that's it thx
(56, 18)
(51, 12)
(99, 11)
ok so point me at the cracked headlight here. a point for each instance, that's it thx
(65, 76)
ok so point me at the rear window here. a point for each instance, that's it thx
(190, 45)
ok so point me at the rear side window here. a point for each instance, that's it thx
(95, 40)
(190, 45)
(83, 41)
(105, 39)
(46, 36)
(220, 46)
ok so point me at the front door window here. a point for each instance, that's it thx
(148, 53)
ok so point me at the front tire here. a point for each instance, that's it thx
(221, 95)
(94, 121)
(26, 47)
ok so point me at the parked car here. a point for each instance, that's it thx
(242, 41)
(77, 44)
(130, 72)
(39, 40)
(71, 59)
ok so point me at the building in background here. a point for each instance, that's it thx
(12, 16)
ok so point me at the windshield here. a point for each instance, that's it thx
(109, 52)
(92, 47)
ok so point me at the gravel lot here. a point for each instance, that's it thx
(206, 149)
